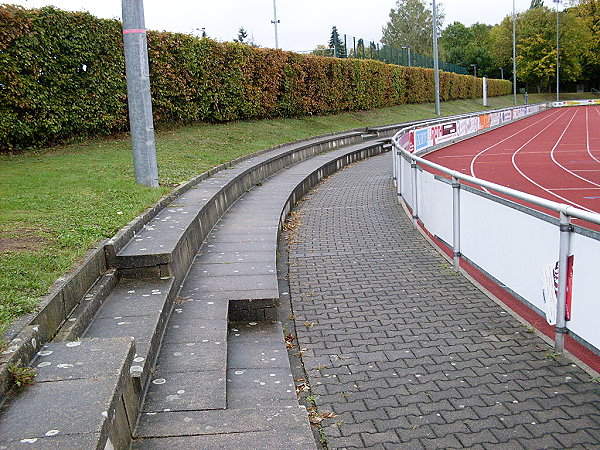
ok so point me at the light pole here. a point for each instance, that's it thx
(407, 47)
(502, 72)
(474, 66)
(436, 64)
(514, 54)
(138, 93)
(557, 53)
(275, 21)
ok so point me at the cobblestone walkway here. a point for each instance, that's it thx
(409, 354)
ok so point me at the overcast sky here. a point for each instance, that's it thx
(304, 24)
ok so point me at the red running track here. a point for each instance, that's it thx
(554, 155)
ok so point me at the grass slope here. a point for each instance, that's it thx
(56, 203)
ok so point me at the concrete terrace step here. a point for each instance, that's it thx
(139, 308)
(234, 277)
(265, 428)
(261, 407)
(166, 245)
(58, 410)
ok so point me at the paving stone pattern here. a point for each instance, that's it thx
(406, 352)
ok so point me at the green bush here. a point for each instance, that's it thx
(62, 76)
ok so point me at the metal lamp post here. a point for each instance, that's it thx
(138, 93)
(407, 47)
(275, 21)
(474, 66)
(436, 63)
(502, 73)
(514, 54)
(557, 54)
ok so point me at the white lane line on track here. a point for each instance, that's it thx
(539, 185)
(472, 167)
(574, 189)
(553, 152)
(587, 135)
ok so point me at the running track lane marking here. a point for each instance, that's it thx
(539, 185)
(587, 133)
(472, 167)
(553, 151)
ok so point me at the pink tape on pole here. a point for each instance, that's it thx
(134, 30)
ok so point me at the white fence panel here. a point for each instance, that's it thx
(585, 313)
(510, 245)
(435, 206)
(406, 181)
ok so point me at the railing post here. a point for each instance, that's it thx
(563, 254)
(394, 163)
(415, 209)
(399, 173)
(456, 222)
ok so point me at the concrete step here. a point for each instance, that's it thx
(83, 397)
(166, 245)
(261, 410)
(138, 308)
(190, 373)
(276, 428)
(82, 315)
(258, 367)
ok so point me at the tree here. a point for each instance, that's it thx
(242, 35)
(339, 49)
(587, 15)
(411, 23)
(360, 49)
(464, 46)
(536, 4)
(536, 46)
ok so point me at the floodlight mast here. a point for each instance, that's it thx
(557, 54)
(407, 47)
(514, 54)
(275, 21)
(138, 93)
(436, 64)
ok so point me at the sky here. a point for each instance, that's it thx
(303, 24)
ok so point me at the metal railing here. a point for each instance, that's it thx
(458, 180)
(361, 49)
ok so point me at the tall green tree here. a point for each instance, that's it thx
(536, 4)
(464, 46)
(587, 14)
(536, 47)
(336, 43)
(411, 23)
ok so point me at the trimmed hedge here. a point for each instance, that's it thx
(62, 75)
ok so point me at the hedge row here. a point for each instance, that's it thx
(62, 75)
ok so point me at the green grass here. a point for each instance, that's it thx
(56, 203)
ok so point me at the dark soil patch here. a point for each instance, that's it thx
(23, 240)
